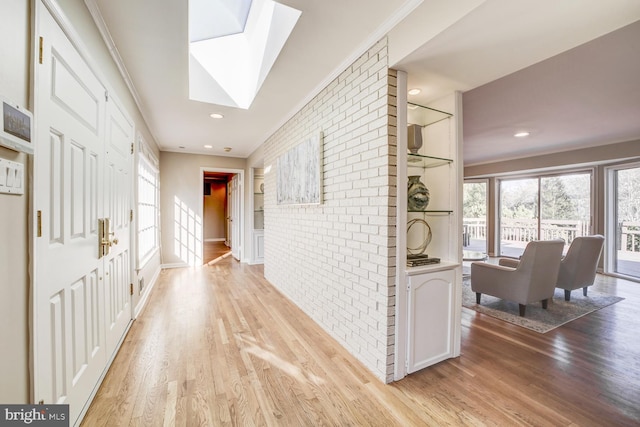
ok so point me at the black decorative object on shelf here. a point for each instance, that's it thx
(418, 260)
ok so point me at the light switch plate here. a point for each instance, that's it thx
(11, 177)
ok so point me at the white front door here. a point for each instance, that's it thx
(117, 199)
(76, 182)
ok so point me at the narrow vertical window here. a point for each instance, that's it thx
(148, 208)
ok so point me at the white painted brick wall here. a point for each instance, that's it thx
(337, 260)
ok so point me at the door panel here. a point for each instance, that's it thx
(69, 358)
(235, 217)
(118, 184)
(430, 300)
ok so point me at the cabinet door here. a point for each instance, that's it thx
(430, 319)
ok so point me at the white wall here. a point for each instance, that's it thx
(14, 278)
(181, 200)
(337, 260)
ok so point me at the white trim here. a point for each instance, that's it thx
(175, 265)
(217, 239)
(610, 228)
(402, 304)
(144, 151)
(147, 258)
(240, 173)
(144, 298)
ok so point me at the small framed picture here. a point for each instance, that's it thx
(16, 127)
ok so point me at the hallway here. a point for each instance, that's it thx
(218, 345)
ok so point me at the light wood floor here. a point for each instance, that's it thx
(213, 251)
(218, 345)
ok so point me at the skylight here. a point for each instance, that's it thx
(232, 47)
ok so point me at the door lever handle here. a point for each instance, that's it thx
(104, 240)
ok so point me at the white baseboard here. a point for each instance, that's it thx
(175, 265)
(145, 295)
(217, 239)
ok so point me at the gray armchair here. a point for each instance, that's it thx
(578, 267)
(531, 279)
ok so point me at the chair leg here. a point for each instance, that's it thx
(478, 295)
(523, 308)
(545, 303)
(567, 295)
(584, 291)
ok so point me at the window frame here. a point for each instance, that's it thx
(147, 174)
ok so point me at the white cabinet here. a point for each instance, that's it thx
(258, 246)
(257, 229)
(431, 318)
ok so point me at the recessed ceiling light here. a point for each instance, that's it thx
(216, 116)
(227, 149)
(414, 91)
(208, 146)
(521, 134)
(181, 146)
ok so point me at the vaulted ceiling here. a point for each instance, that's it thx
(558, 69)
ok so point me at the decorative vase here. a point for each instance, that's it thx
(417, 194)
(414, 138)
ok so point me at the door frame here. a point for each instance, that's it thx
(240, 173)
(484, 181)
(610, 216)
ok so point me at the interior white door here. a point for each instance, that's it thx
(69, 346)
(117, 196)
(228, 216)
(235, 217)
(71, 341)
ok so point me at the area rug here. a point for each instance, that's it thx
(537, 319)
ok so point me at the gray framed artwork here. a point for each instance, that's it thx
(299, 173)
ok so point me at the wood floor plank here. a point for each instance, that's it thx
(219, 346)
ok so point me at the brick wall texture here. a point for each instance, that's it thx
(336, 260)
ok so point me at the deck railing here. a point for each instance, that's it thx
(629, 232)
(527, 230)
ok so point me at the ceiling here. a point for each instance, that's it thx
(522, 64)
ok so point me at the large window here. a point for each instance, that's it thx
(148, 207)
(544, 208)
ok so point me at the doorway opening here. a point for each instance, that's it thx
(474, 223)
(221, 209)
(623, 221)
